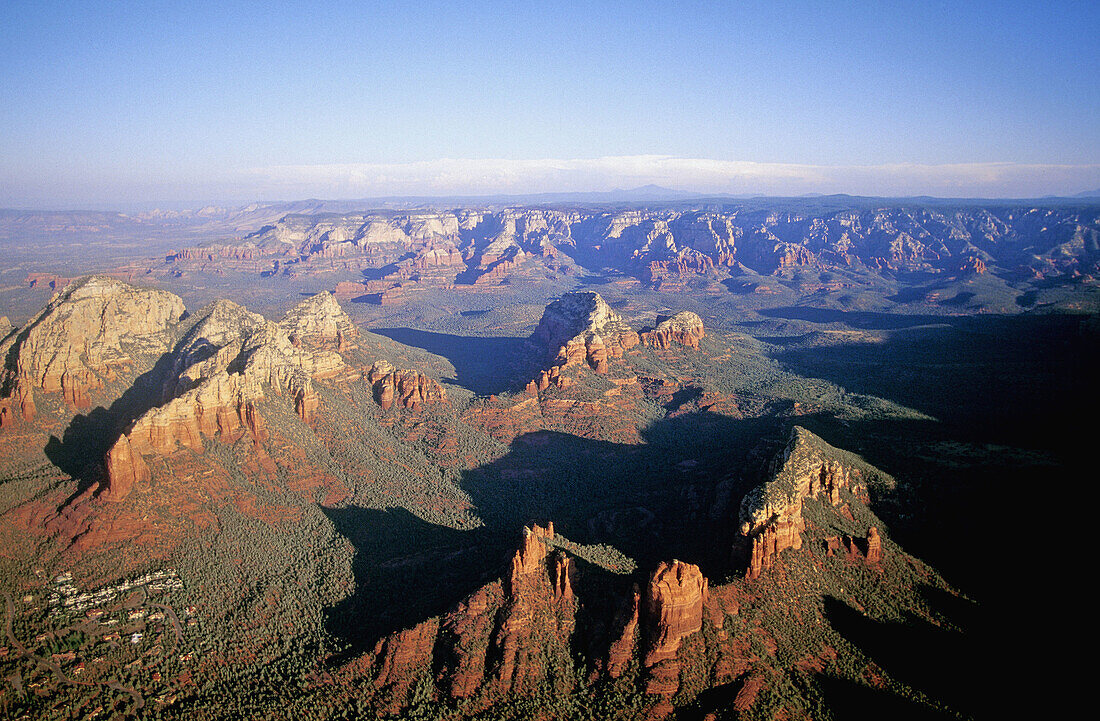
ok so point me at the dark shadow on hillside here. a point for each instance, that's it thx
(859, 320)
(855, 702)
(941, 663)
(482, 365)
(82, 447)
(713, 704)
(999, 379)
(954, 504)
(636, 498)
(385, 270)
(408, 570)
(656, 501)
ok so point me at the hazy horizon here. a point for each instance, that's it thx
(135, 105)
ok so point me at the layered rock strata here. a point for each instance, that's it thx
(501, 640)
(220, 372)
(85, 335)
(675, 597)
(409, 389)
(685, 328)
(771, 514)
(494, 641)
(581, 328)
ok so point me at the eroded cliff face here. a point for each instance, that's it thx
(771, 514)
(582, 328)
(203, 376)
(685, 328)
(504, 640)
(409, 389)
(674, 607)
(320, 321)
(497, 643)
(89, 332)
(221, 370)
(230, 361)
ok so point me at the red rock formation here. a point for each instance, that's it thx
(622, 648)
(791, 255)
(531, 556)
(390, 296)
(400, 659)
(972, 265)
(685, 328)
(771, 515)
(582, 329)
(346, 290)
(84, 333)
(306, 404)
(20, 404)
(775, 537)
(874, 546)
(407, 388)
(564, 570)
(658, 270)
(125, 469)
(206, 396)
(431, 257)
(39, 280)
(675, 597)
(231, 252)
(469, 629)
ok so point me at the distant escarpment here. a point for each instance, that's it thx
(771, 514)
(668, 248)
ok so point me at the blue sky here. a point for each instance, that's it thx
(127, 103)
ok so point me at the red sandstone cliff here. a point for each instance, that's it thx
(406, 388)
(771, 515)
(684, 328)
(582, 328)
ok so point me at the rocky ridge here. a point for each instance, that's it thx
(88, 332)
(502, 640)
(209, 372)
(666, 248)
(807, 467)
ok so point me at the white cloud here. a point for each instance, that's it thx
(450, 176)
(488, 176)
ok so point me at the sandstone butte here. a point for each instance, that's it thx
(219, 364)
(684, 328)
(581, 329)
(85, 335)
(771, 514)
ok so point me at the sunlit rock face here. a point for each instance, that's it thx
(582, 328)
(771, 514)
(685, 328)
(88, 333)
